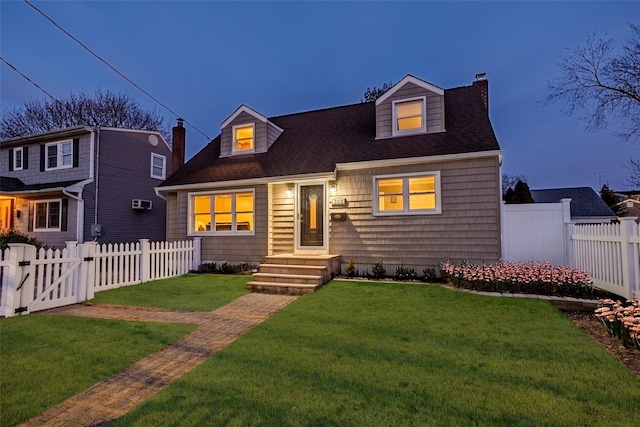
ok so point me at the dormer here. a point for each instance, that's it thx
(247, 132)
(411, 107)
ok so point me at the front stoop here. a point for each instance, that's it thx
(294, 274)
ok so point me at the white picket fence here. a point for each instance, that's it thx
(34, 280)
(611, 254)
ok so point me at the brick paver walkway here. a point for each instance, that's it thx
(110, 399)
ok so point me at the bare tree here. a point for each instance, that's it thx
(373, 93)
(633, 168)
(602, 80)
(103, 108)
(510, 181)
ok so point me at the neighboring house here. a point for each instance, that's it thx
(586, 206)
(84, 183)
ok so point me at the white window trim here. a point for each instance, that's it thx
(164, 166)
(212, 232)
(15, 158)
(394, 121)
(405, 195)
(35, 215)
(59, 164)
(233, 139)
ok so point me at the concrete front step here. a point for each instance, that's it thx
(289, 269)
(281, 288)
(301, 279)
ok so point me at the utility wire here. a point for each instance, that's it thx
(113, 68)
(43, 90)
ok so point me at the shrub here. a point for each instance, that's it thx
(14, 236)
(523, 277)
(378, 271)
(622, 320)
(404, 273)
(350, 268)
(429, 275)
(226, 268)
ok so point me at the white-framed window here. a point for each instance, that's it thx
(47, 215)
(158, 166)
(59, 155)
(412, 194)
(18, 159)
(244, 138)
(224, 212)
(409, 116)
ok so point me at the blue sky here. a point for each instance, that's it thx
(204, 59)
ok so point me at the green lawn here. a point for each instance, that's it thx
(46, 359)
(195, 292)
(356, 354)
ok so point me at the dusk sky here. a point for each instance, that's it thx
(204, 59)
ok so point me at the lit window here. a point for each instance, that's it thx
(59, 155)
(47, 215)
(409, 116)
(223, 213)
(243, 138)
(158, 166)
(407, 194)
(18, 159)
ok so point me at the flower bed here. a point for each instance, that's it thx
(622, 320)
(523, 277)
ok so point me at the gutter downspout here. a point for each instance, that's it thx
(157, 190)
(95, 208)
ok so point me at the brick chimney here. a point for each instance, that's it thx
(177, 156)
(482, 83)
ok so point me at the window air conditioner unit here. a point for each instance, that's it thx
(141, 204)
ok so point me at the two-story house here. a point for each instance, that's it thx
(411, 179)
(84, 183)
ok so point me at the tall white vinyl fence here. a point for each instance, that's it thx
(611, 253)
(35, 280)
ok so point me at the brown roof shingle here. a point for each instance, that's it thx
(314, 141)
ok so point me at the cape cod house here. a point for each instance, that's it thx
(410, 179)
(84, 183)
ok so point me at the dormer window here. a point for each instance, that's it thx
(409, 116)
(243, 138)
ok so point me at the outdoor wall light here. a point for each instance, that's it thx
(333, 188)
(289, 191)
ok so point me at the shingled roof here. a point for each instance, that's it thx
(584, 201)
(314, 142)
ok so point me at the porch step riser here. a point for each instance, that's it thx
(292, 270)
(297, 261)
(279, 290)
(295, 279)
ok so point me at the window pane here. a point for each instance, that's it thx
(52, 156)
(409, 109)
(222, 204)
(244, 222)
(158, 161)
(244, 202)
(422, 201)
(389, 187)
(223, 222)
(390, 195)
(66, 154)
(202, 222)
(18, 160)
(244, 138)
(422, 185)
(410, 123)
(390, 203)
(202, 204)
(41, 215)
(54, 215)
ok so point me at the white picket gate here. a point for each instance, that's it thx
(37, 280)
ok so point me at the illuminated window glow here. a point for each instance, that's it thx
(407, 195)
(230, 213)
(409, 116)
(243, 138)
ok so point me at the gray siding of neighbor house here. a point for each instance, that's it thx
(260, 135)
(467, 229)
(52, 239)
(33, 175)
(124, 173)
(434, 110)
(218, 249)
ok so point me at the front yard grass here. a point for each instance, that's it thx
(358, 353)
(195, 292)
(46, 359)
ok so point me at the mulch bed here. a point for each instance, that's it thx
(629, 357)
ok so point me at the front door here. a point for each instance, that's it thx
(311, 213)
(6, 214)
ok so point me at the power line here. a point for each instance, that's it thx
(113, 68)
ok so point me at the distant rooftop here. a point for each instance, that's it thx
(584, 201)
